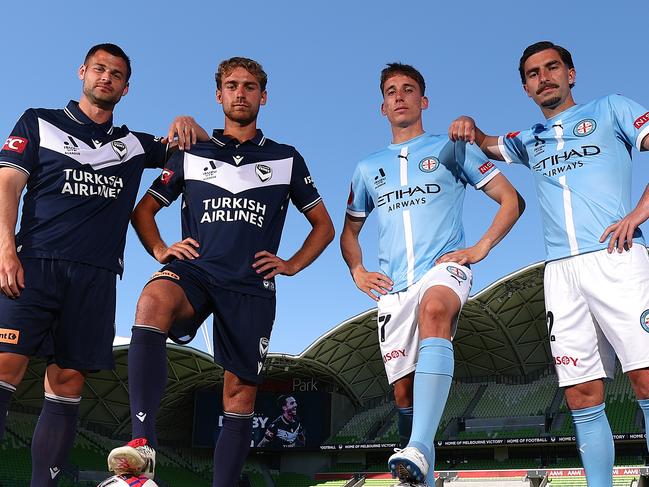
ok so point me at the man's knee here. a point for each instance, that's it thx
(403, 391)
(158, 304)
(403, 395)
(640, 382)
(585, 395)
(436, 315)
(13, 367)
(64, 382)
(238, 394)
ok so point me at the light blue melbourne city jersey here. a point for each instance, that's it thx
(417, 188)
(581, 161)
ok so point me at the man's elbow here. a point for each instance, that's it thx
(521, 203)
(329, 232)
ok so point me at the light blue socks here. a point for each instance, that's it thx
(432, 383)
(595, 443)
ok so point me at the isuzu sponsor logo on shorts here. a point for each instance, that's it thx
(169, 274)
(566, 360)
(394, 354)
(644, 320)
(7, 335)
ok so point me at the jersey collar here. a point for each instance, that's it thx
(73, 111)
(222, 140)
(411, 142)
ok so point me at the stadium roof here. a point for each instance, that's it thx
(501, 332)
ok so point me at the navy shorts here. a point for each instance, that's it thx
(66, 313)
(242, 322)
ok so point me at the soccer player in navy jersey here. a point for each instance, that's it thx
(417, 186)
(57, 275)
(235, 191)
(597, 273)
(286, 430)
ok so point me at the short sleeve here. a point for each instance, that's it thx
(631, 120)
(304, 194)
(512, 148)
(170, 184)
(155, 152)
(359, 203)
(20, 150)
(476, 166)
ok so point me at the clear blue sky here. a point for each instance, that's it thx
(323, 60)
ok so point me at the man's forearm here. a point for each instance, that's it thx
(642, 208)
(10, 190)
(351, 250)
(143, 221)
(508, 213)
(319, 237)
(488, 144)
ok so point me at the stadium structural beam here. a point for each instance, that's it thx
(537, 478)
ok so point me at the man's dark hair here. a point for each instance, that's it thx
(281, 400)
(113, 49)
(405, 69)
(529, 51)
(250, 65)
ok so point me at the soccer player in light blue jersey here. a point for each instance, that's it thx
(596, 280)
(416, 185)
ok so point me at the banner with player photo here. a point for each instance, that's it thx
(281, 421)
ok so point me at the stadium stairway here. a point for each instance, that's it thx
(474, 402)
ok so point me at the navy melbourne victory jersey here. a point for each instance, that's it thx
(82, 183)
(235, 199)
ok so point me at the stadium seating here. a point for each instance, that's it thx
(500, 400)
(359, 427)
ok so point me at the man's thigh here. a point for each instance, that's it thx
(176, 300)
(83, 337)
(26, 322)
(581, 352)
(242, 327)
(618, 296)
(444, 291)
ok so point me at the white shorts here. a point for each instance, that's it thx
(398, 312)
(598, 306)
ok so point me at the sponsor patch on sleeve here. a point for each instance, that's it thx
(15, 144)
(166, 176)
(641, 120)
(485, 167)
(512, 135)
